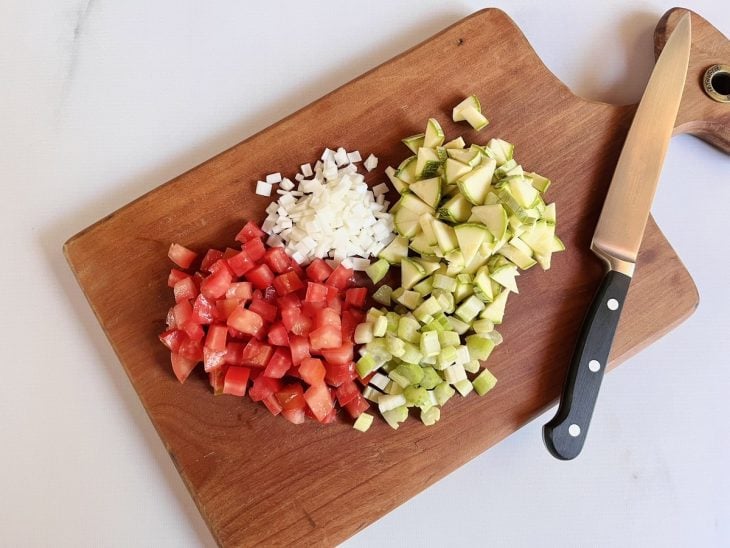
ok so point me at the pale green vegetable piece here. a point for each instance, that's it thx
(382, 295)
(443, 393)
(484, 382)
(377, 270)
(464, 387)
(363, 422)
(430, 416)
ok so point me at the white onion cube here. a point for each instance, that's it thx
(263, 188)
(371, 163)
(273, 178)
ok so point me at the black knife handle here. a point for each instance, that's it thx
(565, 434)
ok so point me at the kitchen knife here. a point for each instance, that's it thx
(617, 240)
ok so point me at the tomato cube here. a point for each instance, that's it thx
(255, 249)
(341, 277)
(357, 406)
(288, 283)
(219, 265)
(312, 371)
(347, 392)
(213, 359)
(216, 339)
(191, 349)
(263, 387)
(204, 311)
(337, 373)
(181, 256)
(241, 263)
(272, 404)
(236, 380)
(193, 330)
(245, 321)
(315, 293)
(299, 349)
(225, 307)
(343, 354)
(318, 270)
(291, 396)
(216, 285)
(210, 258)
(350, 320)
(256, 354)
(356, 296)
(277, 259)
(262, 308)
(183, 312)
(234, 353)
(182, 366)
(261, 277)
(248, 232)
(328, 336)
(319, 401)
(310, 309)
(328, 317)
(240, 290)
(172, 339)
(278, 335)
(295, 321)
(175, 276)
(279, 364)
(289, 301)
(294, 416)
(217, 379)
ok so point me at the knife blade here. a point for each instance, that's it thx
(617, 239)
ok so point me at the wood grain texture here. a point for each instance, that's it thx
(239, 462)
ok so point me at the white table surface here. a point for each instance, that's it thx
(101, 101)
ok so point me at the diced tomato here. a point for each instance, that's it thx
(256, 354)
(357, 406)
(310, 309)
(343, 354)
(245, 321)
(277, 259)
(272, 404)
(260, 333)
(339, 373)
(234, 353)
(217, 379)
(289, 301)
(263, 387)
(315, 293)
(336, 305)
(181, 256)
(182, 312)
(295, 321)
(213, 359)
(356, 296)
(341, 277)
(255, 249)
(277, 335)
(182, 366)
(204, 311)
(279, 363)
(191, 349)
(270, 295)
(328, 317)
(193, 330)
(291, 396)
(296, 267)
(216, 285)
(319, 400)
(241, 263)
(288, 283)
(225, 307)
(299, 349)
(312, 371)
(328, 336)
(262, 308)
(211, 257)
(261, 277)
(294, 416)
(216, 339)
(347, 392)
(172, 339)
(221, 265)
(366, 379)
(236, 381)
(318, 270)
(331, 417)
(175, 276)
(240, 290)
(350, 320)
(248, 232)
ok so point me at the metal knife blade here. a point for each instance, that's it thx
(617, 239)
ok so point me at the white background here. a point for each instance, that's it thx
(101, 101)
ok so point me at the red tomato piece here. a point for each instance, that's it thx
(261, 277)
(295, 321)
(357, 406)
(256, 354)
(240, 290)
(347, 392)
(217, 379)
(182, 312)
(225, 307)
(234, 353)
(272, 404)
(318, 270)
(319, 401)
(366, 379)
(339, 373)
(328, 336)
(236, 381)
(248, 232)
(263, 387)
(262, 308)
(315, 293)
(175, 276)
(296, 267)
(211, 257)
(310, 309)
(220, 265)
(341, 277)
(216, 285)
(204, 311)
(255, 249)
(245, 321)
(213, 359)
(343, 354)
(181, 256)
(330, 418)
(289, 301)
(277, 259)
(356, 296)
(172, 339)
(216, 339)
(288, 283)
(278, 335)
(279, 364)
(291, 396)
(299, 349)
(350, 320)
(312, 371)
(193, 330)
(191, 349)
(336, 305)
(328, 317)
(241, 263)
(294, 416)
(182, 366)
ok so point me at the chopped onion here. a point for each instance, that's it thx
(263, 188)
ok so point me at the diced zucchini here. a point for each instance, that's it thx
(480, 346)
(505, 276)
(430, 416)
(470, 102)
(445, 236)
(444, 282)
(377, 270)
(395, 250)
(501, 151)
(484, 382)
(406, 171)
(456, 209)
(382, 295)
(363, 422)
(363, 333)
(428, 190)
(454, 169)
(455, 143)
(443, 393)
(464, 387)
(434, 135)
(539, 182)
(475, 118)
(414, 142)
(475, 184)
(411, 273)
(406, 222)
(410, 299)
(430, 379)
(424, 287)
(449, 338)
(470, 237)
(428, 163)
(430, 343)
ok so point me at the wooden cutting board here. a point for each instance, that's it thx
(258, 479)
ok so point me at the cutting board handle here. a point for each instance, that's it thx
(699, 114)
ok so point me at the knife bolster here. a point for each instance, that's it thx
(614, 263)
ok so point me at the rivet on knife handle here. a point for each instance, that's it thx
(565, 434)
